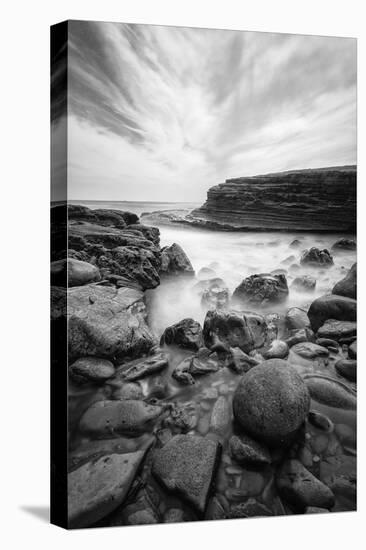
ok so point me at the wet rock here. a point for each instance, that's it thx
(107, 322)
(337, 329)
(210, 394)
(262, 289)
(246, 450)
(348, 285)
(344, 244)
(347, 368)
(314, 256)
(97, 488)
(331, 392)
(140, 368)
(316, 510)
(352, 350)
(271, 402)
(215, 298)
(309, 350)
(249, 509)
(295, 243)
(320, 421)
(181, 419)
(332, 345)
(91, 369)
(110, 418)
(185, 334)
(128, 391)
(331, 306)
(346, 435)
(174, 261)
(204, 362)
(296, 318)
(299, 336)
(141, 509)
(71, 272)
(305, 283)
(233, 329)
(220, 416)
(186, 465)
(216, 509)
(239, 362)
(174, 515)
(277, 350)
(301, 489)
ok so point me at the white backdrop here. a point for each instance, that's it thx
(24, 489)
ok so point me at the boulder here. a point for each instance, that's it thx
(185, 334)
(106, 419)
(231, 329)
(203, 362)
(347, 368)
(107, 322)
(309, 350)
(91, 369)
(146, 366)
(296, 318)
(305, 283)
(186, 465)
(246, 450)
(97, 488)
(71, 272)
(239, 362)
(174, 261)
(331, 306)
(337, 330)
(316, 257)
(300, 488)
(300, 335)
(344, 244)
(271, 402)
(262, 289)
(331, 392)
(348, 285)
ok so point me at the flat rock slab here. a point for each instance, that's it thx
(331, 392)
(186, 465)
(97, 488)
(140, 368)
(106, 419)
(337, 329)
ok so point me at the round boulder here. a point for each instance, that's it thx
(262, 289)
(314, 256)
(271, 402)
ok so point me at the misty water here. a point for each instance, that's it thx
(233, 256)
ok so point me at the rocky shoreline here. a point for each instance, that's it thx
(250, 414)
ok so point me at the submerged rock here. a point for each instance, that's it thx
(246, 450)
(187, 465)
(305, 283)
(347, 368)
(271, 402)
(314, 256)
(337, 329)
(233, 329)
(91, 369)
(296, 318)
(146, 366)
(109, 418)
(97, 488)
(71, 272)
(331, 306)
(319, 420)
(185, 334)
(262, 289)
(215, 298)
(331, 392)
(348, 285)
(309, 350)
(301, 489)
(344, 244)
(174, 261)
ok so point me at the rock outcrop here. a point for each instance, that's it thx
(322, 199)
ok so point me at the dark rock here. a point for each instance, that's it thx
(97, 488)
(71, 272)
(217, 508)
(344, 244)
(331, 306)
(141, 509)
(204, 362)
(314, 256)
(331, 392)
(301, 489)
(174, 515)
(300, 335)
(139, 368)
(271, 402)
(347, 368)
(220, 416)
(262, 289)
(239, 362)
(107, 418)
(296, 318)
(348, 285)
(245, 330)
(249, 509)
(277, 350)
(305, 283)
(174, 261)
(309, 350)
(352, 350)
(186, 465)
(320, 421)
(107, 322)
(185, 334)
(245, 450)
(181, 419)
(91, 369)
(332, 345)
(316, 510)
(337, 329)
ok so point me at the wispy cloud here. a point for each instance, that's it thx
(163, 113)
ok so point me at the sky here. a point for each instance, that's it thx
(163, 113)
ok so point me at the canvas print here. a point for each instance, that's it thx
(203, 274)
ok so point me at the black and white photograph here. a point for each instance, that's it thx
(203, 274)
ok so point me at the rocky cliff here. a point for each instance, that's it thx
(321, 199)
